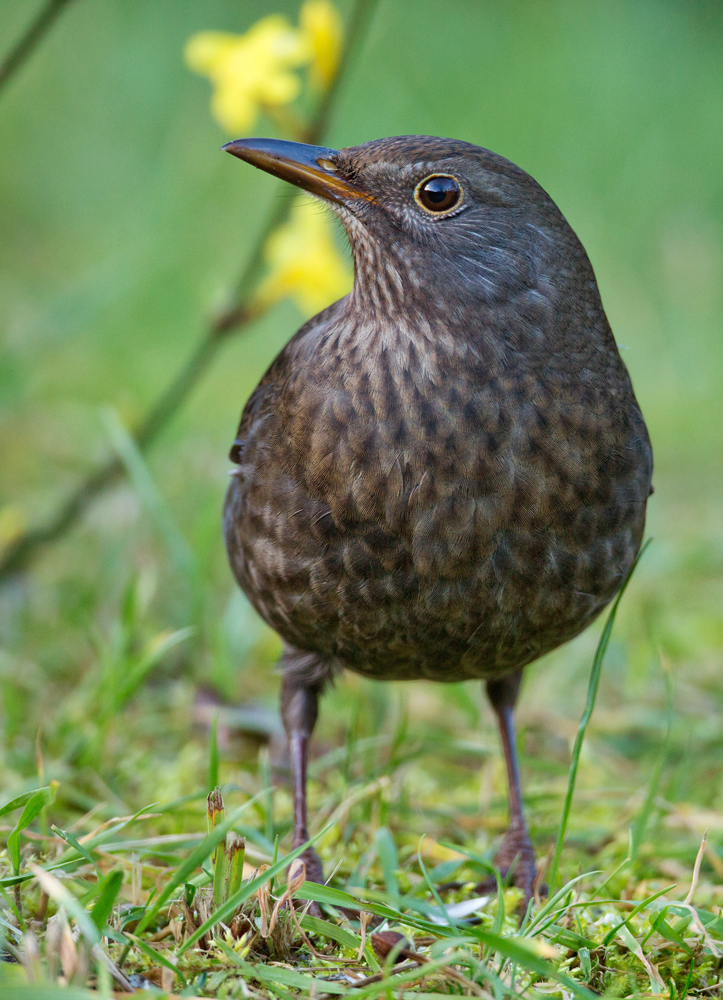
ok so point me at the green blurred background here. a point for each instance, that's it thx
(123, 231)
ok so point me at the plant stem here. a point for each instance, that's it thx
(27, 43)
(235, 317)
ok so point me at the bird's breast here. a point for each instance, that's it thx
(400, 487)
(417, 430)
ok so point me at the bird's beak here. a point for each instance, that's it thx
(312, 168)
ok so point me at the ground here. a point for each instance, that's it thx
(407, 795)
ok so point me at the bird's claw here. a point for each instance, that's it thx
(515, 860)
(312, 864)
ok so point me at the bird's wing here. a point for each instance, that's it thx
(262, 401)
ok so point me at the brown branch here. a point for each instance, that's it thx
(19, 553)
(28, 42)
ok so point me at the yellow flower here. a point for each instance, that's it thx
(321, 26)
(249, 71)
(304, 262)
(258, 70)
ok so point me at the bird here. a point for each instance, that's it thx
(443, 475)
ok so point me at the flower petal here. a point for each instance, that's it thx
(251, 70)
(206, 52)
(321, 25)
(304, 262)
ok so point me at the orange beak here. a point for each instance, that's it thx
(312, 168)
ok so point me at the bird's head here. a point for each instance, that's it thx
(442, 218)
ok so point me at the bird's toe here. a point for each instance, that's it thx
(516, 862)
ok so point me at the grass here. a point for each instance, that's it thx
(102, 889)
(135, 678)
(177, 930)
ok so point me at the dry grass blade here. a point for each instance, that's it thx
(696, 868)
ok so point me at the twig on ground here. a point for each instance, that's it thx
(386, 942)
(420, 961)
(115, 972)
(377, 977)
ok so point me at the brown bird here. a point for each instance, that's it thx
(443, 475)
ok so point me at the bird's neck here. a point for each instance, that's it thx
(392, 324)
(398, 284)
(384, 282)
(396, 309)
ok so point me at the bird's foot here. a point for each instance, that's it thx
(312, 863)
(313, 872)
(516, 861)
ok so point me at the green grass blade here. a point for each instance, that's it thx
(387, 853)
(659, 925)
(433, 889)
(72, 856)
(63, 897)
(534, 926)
(72, 841)
(213, 755)
(139, 474)
(15, 803)
(155, 956)
(586, 716)
(109, 889)
(247, 890)
(139, 669)
(192, 862)
(484, 863)
(215, 815)
(235, 854)
(499, 918)
(613, 874)
(342, 935)
(219, 874)
(38, 800)
(337, 897)
(634, 912)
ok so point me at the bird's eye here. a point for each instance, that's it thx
(438, 193)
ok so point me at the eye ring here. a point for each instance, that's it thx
(439, 194)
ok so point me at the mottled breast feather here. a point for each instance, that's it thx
(425, 494)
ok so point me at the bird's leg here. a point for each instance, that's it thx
(299, 709)
(516, 854)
